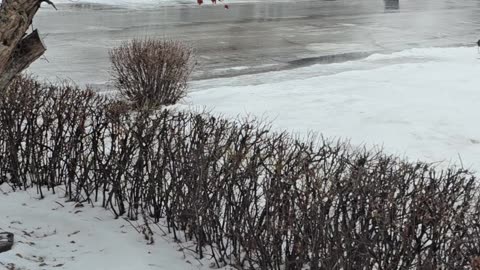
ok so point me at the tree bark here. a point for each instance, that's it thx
(17, 51)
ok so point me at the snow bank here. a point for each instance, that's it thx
(53, 234)
(419, 103)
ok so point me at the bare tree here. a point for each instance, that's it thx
(17, 48)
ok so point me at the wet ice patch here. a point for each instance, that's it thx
(149, 3)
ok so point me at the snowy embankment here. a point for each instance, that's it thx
(54, 234)
(419, 103)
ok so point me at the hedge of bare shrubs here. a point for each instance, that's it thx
(246, 196)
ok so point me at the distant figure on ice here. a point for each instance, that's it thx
(392, 4)
(478, 45)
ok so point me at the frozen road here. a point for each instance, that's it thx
(251, 37)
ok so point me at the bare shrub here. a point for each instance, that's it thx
(20, 105)
(152, 72)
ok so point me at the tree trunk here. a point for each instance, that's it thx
(17, 51)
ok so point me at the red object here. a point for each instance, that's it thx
(226, 6)
(214, 1)
(200, 2)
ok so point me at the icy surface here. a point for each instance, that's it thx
(418, 103)
(54, 234)
(263, 36)
(149, 3)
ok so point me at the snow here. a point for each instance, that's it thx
(418, 103)
(54, 234)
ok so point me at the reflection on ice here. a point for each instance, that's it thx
(265, 35)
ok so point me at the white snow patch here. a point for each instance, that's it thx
(233, 68)
(53, 234)
(419, 103)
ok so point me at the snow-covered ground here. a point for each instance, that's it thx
(54, 234)
(419, 103)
